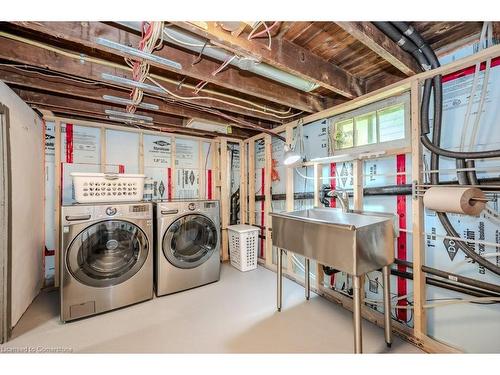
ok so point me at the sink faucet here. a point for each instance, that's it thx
(343, 197)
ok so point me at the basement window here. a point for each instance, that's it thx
(381, 125)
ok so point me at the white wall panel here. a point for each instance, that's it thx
(471, 327)
(26, 135)
(187, 172)
(122, 151)
(80, 144)
(50, 199)
(157, 166)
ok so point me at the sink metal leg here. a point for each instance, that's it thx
(358, 344)
(307, 283)
(387, 305)
(280, 278)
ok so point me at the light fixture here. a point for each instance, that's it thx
(291, 158)
(132, 116)
(138, 53)
(118, 100)
(131, 83)
(209, 126)
(129, 120)
(183, 39)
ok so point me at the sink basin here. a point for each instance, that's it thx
(354, 242)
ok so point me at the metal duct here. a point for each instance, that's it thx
(181, 38)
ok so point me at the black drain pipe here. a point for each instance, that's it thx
(444, 284)
(454, 277)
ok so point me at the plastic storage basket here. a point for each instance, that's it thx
(243, 242)
(107, 187)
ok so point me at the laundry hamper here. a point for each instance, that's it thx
(107, 187)
(243, 242)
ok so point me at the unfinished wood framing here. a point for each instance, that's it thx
(251, 181)
(268, 199)
(86, 34)
(420, 320)
(62, 67)
(417, 335)
(215, 169)
(285, 56)
(357, 174)
(57, 200)
(368, 34)
(103, 127)
(243, 182)
(225, 198)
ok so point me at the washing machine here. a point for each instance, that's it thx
(187, 245)
(106, 257)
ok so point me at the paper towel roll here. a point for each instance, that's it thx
(457, 200)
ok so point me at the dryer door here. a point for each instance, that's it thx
(107, 253)
(190, 240)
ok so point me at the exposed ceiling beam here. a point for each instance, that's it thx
(96, 110)
(86, 33)
(284, 55)
(75, 115)
(496, 30)
(368, 34)
(60, 101)
(59, 85)
(19, 52)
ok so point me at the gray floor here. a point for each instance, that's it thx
(235, 315)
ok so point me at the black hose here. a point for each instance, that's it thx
(419, 42)
(406, 44)
(458, 154)
(445, 284)
(434, 146)
(413, 39)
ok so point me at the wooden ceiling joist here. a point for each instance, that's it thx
(59, 85)
(96, 110)
(368, 34)
(22, 53)
(64, 102)
(284, 55)
(86, 34)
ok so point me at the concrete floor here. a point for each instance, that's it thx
(235, 315)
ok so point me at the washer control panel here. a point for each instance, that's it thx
(80, 213)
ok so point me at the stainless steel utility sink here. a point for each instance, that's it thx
(355, 242)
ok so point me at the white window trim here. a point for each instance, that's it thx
(374, 107)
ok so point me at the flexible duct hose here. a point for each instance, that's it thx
(434, 145)
(425, 56)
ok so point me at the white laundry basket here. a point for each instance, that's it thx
(107, 187)
(243, 242)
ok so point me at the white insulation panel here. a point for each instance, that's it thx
(470, 327)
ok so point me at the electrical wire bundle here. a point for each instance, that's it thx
(267, 30)
(412, 42)
(151, 39)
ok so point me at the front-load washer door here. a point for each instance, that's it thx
(107, 253)
(190, 240)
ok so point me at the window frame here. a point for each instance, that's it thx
(365, 110)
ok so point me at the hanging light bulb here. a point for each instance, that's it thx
(293, 152)
(291, 157)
